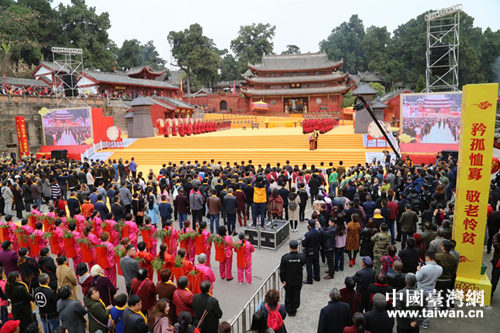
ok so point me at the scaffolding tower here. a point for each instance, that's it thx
(443, 40)
(68, 66)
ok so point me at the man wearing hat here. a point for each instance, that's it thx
(377, 320)
(311, 244)
(363, 278)
(291, 268)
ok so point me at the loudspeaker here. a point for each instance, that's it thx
(436, 53)
(59, 154)
(70, 85)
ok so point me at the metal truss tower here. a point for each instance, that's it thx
(443, 40)
(68, 66)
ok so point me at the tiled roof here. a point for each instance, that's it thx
(301, 78)
(175, 102)
(393, 94)
(369, 77)
(123, 79)
(161, 103)
(138, 69)
(297, 91)
(55, 66)
(364, 89)
(377, 104)
(306, 61)
(18, 81)
(141, 100)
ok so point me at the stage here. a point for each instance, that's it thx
(264, 145)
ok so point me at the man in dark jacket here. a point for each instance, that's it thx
(328, 241)
(363, 278)
(408, 222)
(204, 302)
(377, 320)
(410, 256)
(133, 318)
(46, 299)
(129, 266)
(311, 244)
(291, 267)
(335, 316)
(409, 324)
(101, 207)
(230, 205)
(117, 209)
(73, 204)
(181, 204)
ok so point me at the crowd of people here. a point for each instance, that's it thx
(20, 90)
(103, 219)
(421, 128)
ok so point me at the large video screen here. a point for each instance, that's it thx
(430, 122)
(67, 127)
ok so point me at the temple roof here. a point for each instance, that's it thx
(107, 77)
(295, 62)
(18, 81)
(175, 102)
(364, 77)
(296, 91)
(377, 104)
(301, 78)
(141, 100)
(148, 69)
(392, 94)
(364, 89)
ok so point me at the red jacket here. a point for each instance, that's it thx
(183, 301)
(241, 199)
(146, 290)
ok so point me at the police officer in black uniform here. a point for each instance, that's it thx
(291, 268)
(311, 245)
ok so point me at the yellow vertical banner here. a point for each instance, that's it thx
(477, 127)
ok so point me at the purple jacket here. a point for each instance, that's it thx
(8, 259)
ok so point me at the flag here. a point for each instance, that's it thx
(234, 87)
(180, 82)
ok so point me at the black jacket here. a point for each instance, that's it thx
(202, 302)
(47, 265)
(118, 212)
(230, 204)
(20, 298)
(133, 322)
(291, 268)
(410, 258)
(73, 204)
(328, 238)
(334, 317)
(377, 321)
(363, 278)
(46, 299)
(311, 242)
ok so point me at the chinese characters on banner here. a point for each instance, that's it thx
(473, 181)
(22, 137)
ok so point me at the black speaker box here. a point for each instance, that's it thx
(59, 154)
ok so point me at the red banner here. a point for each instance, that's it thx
(22, 136)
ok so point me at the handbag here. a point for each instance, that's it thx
(197, 329)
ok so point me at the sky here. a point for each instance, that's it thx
(303, 23)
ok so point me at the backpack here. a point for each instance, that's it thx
(292, 204)
(274, 319)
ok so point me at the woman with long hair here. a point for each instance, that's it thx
(153, 212)
(293, 209)
(21, 300)
(184, 324)
(352, 242)
(340, 241)
(275, 204)
(84, 277)
(158, 321)
(358, 326)
(259, 324)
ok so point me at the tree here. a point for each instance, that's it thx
(229, 68)
(195, 54)
(376, 42)
(291, 49)
(252, 43)
(420, 84)
(346, 42)
(133, 53)
(378, 87)
(82, 27)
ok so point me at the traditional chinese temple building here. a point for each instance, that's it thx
(297, 83)
(137, 81)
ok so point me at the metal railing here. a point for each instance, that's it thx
(94, 148)
(241, 323)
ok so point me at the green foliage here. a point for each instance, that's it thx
(252, 43)
(348, 100)
(346, 42)
(420, 84)
(378, 87)
(229, 68)
(133, 53)
(291, 49)
(196, 54)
